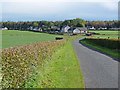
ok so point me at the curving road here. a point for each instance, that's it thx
(99, 70)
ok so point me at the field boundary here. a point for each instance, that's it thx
(19, 63)
(92, 48)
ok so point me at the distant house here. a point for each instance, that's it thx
(65, 29)
(40, 29)
(78, 30)
(102, 28)
(5, 28)
(30, 28)
(37, 29)
(70, 31)
(114, 28)
(83, 30)
(55, 28)
(91, 28)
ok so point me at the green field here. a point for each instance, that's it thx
(11, 38)
(105, 34)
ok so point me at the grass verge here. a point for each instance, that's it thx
(61, 71)
(110, 52)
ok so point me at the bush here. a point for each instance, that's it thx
(19, 63)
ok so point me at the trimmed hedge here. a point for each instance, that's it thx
(19, 63)
(108, 43)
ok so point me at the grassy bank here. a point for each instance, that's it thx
(102, 47)
(11, 38)
(61, 71)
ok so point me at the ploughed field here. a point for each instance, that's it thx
(11, 38)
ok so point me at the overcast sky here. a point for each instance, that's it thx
(32, 10)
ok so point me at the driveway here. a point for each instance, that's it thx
(99, 70)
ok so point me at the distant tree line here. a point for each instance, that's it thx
(103, 24)
(46, 25)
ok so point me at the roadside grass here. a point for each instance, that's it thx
(12, 38)
(60, 71)
(110, 52)
(105, 34)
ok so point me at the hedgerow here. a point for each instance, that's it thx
(19, 63)
(108, 43)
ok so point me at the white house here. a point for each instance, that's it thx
(40, 29)
(37, 29)
(81, 30)
(31, 28)
(101, 28)
(92, 28)
(5, 28)
(76, 31)
(65, 29)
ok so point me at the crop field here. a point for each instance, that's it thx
(106, 34)
(11, 38)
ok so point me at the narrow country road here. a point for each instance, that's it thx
(99, 70)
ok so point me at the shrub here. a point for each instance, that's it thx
(19, 63)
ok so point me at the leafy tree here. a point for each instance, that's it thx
(35, 24)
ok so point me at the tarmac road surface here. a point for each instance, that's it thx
(99, 70)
